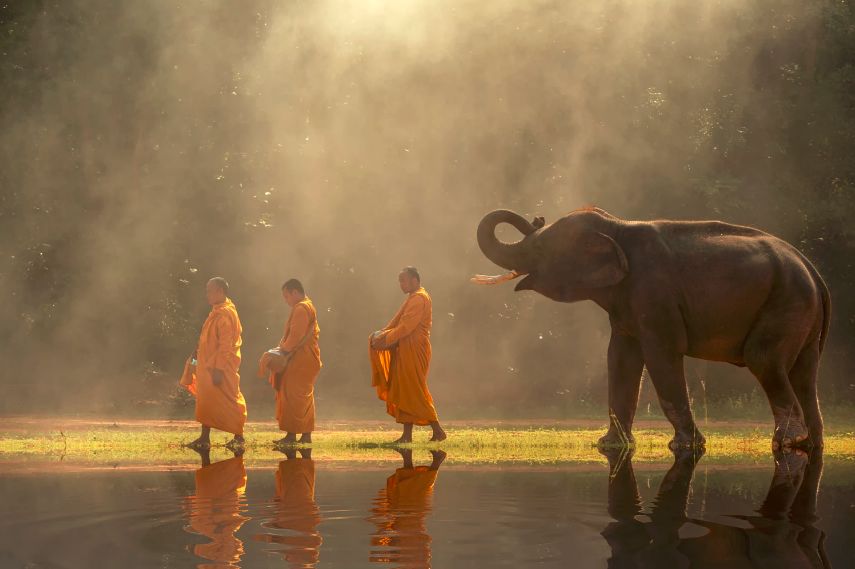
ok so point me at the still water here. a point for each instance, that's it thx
(420, 512)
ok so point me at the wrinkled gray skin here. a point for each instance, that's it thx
(704, 289)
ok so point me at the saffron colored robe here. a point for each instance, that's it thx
(295, 510)
(399, 517)
(295, 400)
(399, 372)
(218, 406)
(215, 511)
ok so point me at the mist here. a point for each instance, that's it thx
(149, 146)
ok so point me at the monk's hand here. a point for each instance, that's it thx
(378, 342)
(217, 376)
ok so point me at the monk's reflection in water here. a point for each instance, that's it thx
(215, 510)
(399, 513)
(782, 535)
(294, 525)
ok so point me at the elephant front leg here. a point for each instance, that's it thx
(624, 499)
(625, 365)
(669, 379)
(669, 512)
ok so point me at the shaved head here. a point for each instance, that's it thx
(412, 272)
(294, 284)
(221, 283)
(216, 290)
(409, 280)
(293, 292)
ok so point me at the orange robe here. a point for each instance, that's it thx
(296, 511)
(219, 406)
(215, 511)
(399, 373)
(295, 400)
(399, 515)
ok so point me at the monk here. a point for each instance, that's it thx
(400, 358)
(215, 509)
(399, 513)
(295, 510)
(214, 380)
(295, 385)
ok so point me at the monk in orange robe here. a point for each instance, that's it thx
(296, 511)
(400, 358)
(400, 511)
(215, 381)
(215, 510)
(295, 385)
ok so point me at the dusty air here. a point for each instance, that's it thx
(427, 284)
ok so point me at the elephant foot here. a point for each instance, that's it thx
(815, 437)
(789, 465)
(687, 440)
(688, 455)
(790, 468)
(616, 455)
(791, 435)
(616, 439)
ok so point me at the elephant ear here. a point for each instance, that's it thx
(597, 261)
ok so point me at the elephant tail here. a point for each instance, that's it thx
(826, 301)
(826, 310)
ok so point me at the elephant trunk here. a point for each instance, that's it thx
(511, 256)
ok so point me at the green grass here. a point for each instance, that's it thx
(162, 444)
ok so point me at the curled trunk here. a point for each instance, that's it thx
(508, 255)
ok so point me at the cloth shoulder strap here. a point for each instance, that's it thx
(309, 332)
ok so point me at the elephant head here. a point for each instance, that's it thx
(566, 261)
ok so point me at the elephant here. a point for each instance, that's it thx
(703, 289)
(782, 535)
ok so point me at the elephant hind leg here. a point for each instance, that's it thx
(769, 356)
(790, 427)
(803, 378)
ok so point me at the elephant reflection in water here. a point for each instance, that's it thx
(215, 510)
(399, 514)
(295, 511)
(781, 536)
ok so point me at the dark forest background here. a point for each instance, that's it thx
(147, 146)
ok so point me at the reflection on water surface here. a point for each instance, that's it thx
(793, 511)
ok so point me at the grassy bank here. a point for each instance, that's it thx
(161, 442)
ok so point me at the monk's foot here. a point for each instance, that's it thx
(402, 440)
(407, 455)
(306, 438)
(236, 443)
(438, 436)
(286, 441)
(204, 454)
(289, 451)
(199, 444)
(438, 456)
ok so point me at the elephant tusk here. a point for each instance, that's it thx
(495, 279)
